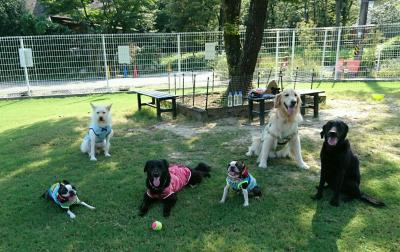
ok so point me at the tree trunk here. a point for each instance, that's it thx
(338, 11)
(241, 63)
(231, 9)
(252, 42)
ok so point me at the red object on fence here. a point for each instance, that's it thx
(135, 72)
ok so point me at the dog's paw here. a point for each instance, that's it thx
(107, 154)
(246, 204)
(142, 212)
(249, 153)
(93, 159)
(317, 196)
(334, 202)
(91, 207)
(262, 165)
(222, 201)
(304, 166)
(72, 215)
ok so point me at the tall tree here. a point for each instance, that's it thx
(187, 15)
(242, 60)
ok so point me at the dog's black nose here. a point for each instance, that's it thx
(293, 103)
(332, 134)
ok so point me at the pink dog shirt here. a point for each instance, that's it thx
(180, 176)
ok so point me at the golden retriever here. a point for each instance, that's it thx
(280, 136)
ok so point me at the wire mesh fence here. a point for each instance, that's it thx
(57, 65)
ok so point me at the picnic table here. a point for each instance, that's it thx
(156, 98)
(314, 104)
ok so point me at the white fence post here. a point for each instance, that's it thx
(337, 52)
(378, 63)
(293, 47)
(276, 55)
(323, 55)
(21, 41)
(103, 42)
(178, 39)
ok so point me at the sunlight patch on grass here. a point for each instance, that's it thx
(35, 165)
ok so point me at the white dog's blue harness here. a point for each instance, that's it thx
(100, 132)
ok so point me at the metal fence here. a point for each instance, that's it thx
(69, 64)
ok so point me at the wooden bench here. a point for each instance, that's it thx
(156, 98)
(314, 105)
(261, 112)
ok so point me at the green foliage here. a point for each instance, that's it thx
(187, 15)
(16, 20)
(391, 47)
(389, 68)
(288, 13)
(109, 16)
(385, 12)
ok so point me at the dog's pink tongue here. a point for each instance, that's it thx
(290, 110)
(156, 181)
(332, 140)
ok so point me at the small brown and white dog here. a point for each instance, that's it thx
(100, 132)
(280, 136)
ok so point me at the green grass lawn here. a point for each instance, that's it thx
(39, 144)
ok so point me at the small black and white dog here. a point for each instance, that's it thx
(64, 194)
(339, 166)
(164, 181)
(239, 179)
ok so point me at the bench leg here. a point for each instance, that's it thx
(250, 110)
(316, 105)
(153, 100)
(303, 105)
(139, 101)
(262, 112)
(158, 109)
(174, 108)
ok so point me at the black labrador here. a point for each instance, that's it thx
(164, 181)
(339, 166)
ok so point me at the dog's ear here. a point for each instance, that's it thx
(345, 129)
(147, 166)
(108, 107)
(322, 133)
(165, 163)
(298, 99)
(278, 100)
(93, 106)
(65, 182)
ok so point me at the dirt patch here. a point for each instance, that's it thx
(214, 100)
(354, 112)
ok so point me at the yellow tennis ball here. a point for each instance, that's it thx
(156, 225)
(378, 97)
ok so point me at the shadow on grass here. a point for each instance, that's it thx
(37, 155)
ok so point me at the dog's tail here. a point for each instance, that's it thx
(84, 146)
(374, 202)
(44, 195)
(204, 169)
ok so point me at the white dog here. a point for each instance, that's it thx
(280, 136)
(100, 132)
